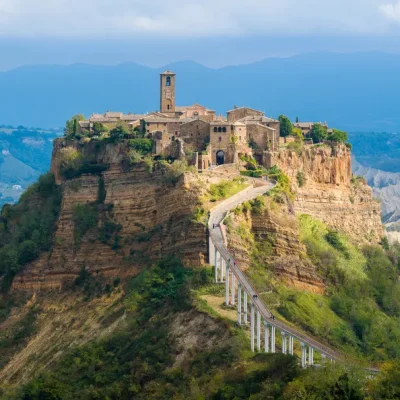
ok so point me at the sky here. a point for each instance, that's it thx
(212, 32)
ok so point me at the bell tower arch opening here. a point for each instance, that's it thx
(167, 92)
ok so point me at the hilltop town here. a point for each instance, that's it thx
(201, 136)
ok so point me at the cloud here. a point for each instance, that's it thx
(391, 11)
(199, 18)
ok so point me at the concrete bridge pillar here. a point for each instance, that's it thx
(323, 359)
(252, 325)
(246, 320)
(266, 337)
(273, 349)
(303, 355)
(227, 286)
(258, 330)
(291, 340)
(239, 303)
(233, 288)
(310, 356)
(284, 343)
(221, 266)
(216, 264)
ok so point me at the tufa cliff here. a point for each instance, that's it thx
(140, 216)
(322, 179)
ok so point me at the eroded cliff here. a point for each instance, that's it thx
(321, 177)
(141, 216)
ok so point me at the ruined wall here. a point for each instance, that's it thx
(321, 177)
(154, 215)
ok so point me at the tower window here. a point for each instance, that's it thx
(215, 129)
(224, 129)
(219, 129)
(220, 139)
(168, 107)
(168, 82)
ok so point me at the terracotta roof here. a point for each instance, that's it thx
(263, 126)
(167, 72)
(189, 120)
(220, 123)
(110, 114)
(247, 108)
(307, 124)
(257, 118)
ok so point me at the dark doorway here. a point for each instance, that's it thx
(220, 157)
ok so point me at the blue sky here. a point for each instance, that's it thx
(212, 32)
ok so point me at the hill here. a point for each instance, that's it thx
(310, 86)
(25, 154)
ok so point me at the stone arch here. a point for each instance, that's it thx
(220, 157)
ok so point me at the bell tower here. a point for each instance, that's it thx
(167, 92)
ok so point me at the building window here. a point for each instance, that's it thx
(219, 129)
(168, 83)
(173, 138)
(220, 139)
(224, 129)
(168, 107)
(215, 129)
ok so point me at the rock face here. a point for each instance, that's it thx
(154, 219)
(274, 235)
(329, 193)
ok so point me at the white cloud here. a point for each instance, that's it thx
(391, 11)
(105, 18)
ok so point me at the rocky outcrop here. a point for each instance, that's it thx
(271, 239)
(321, 177)
(153, 217)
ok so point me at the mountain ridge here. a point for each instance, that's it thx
(308, 86)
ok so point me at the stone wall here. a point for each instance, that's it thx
(196, 135)
(239, 113)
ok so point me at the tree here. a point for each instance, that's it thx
(118, 132)
(99, 128)
(338, 136)
(72, 125)
(318, 133)
(8, 259)
(298, 134)
(286, 126)
(28, 251)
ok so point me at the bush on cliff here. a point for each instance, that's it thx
(27, 228)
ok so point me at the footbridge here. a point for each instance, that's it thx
(240, 293)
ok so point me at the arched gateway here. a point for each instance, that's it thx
(220, 157)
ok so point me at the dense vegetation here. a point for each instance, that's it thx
(140, 360)
(27, 228)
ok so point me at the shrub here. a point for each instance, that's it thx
(84, 217)
(297, 147)
(142, 145)
(300, 178)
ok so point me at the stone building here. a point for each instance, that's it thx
(195, 131)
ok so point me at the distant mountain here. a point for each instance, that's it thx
(24, 155)
(350, 91)
(377, 150)
(377, 159)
